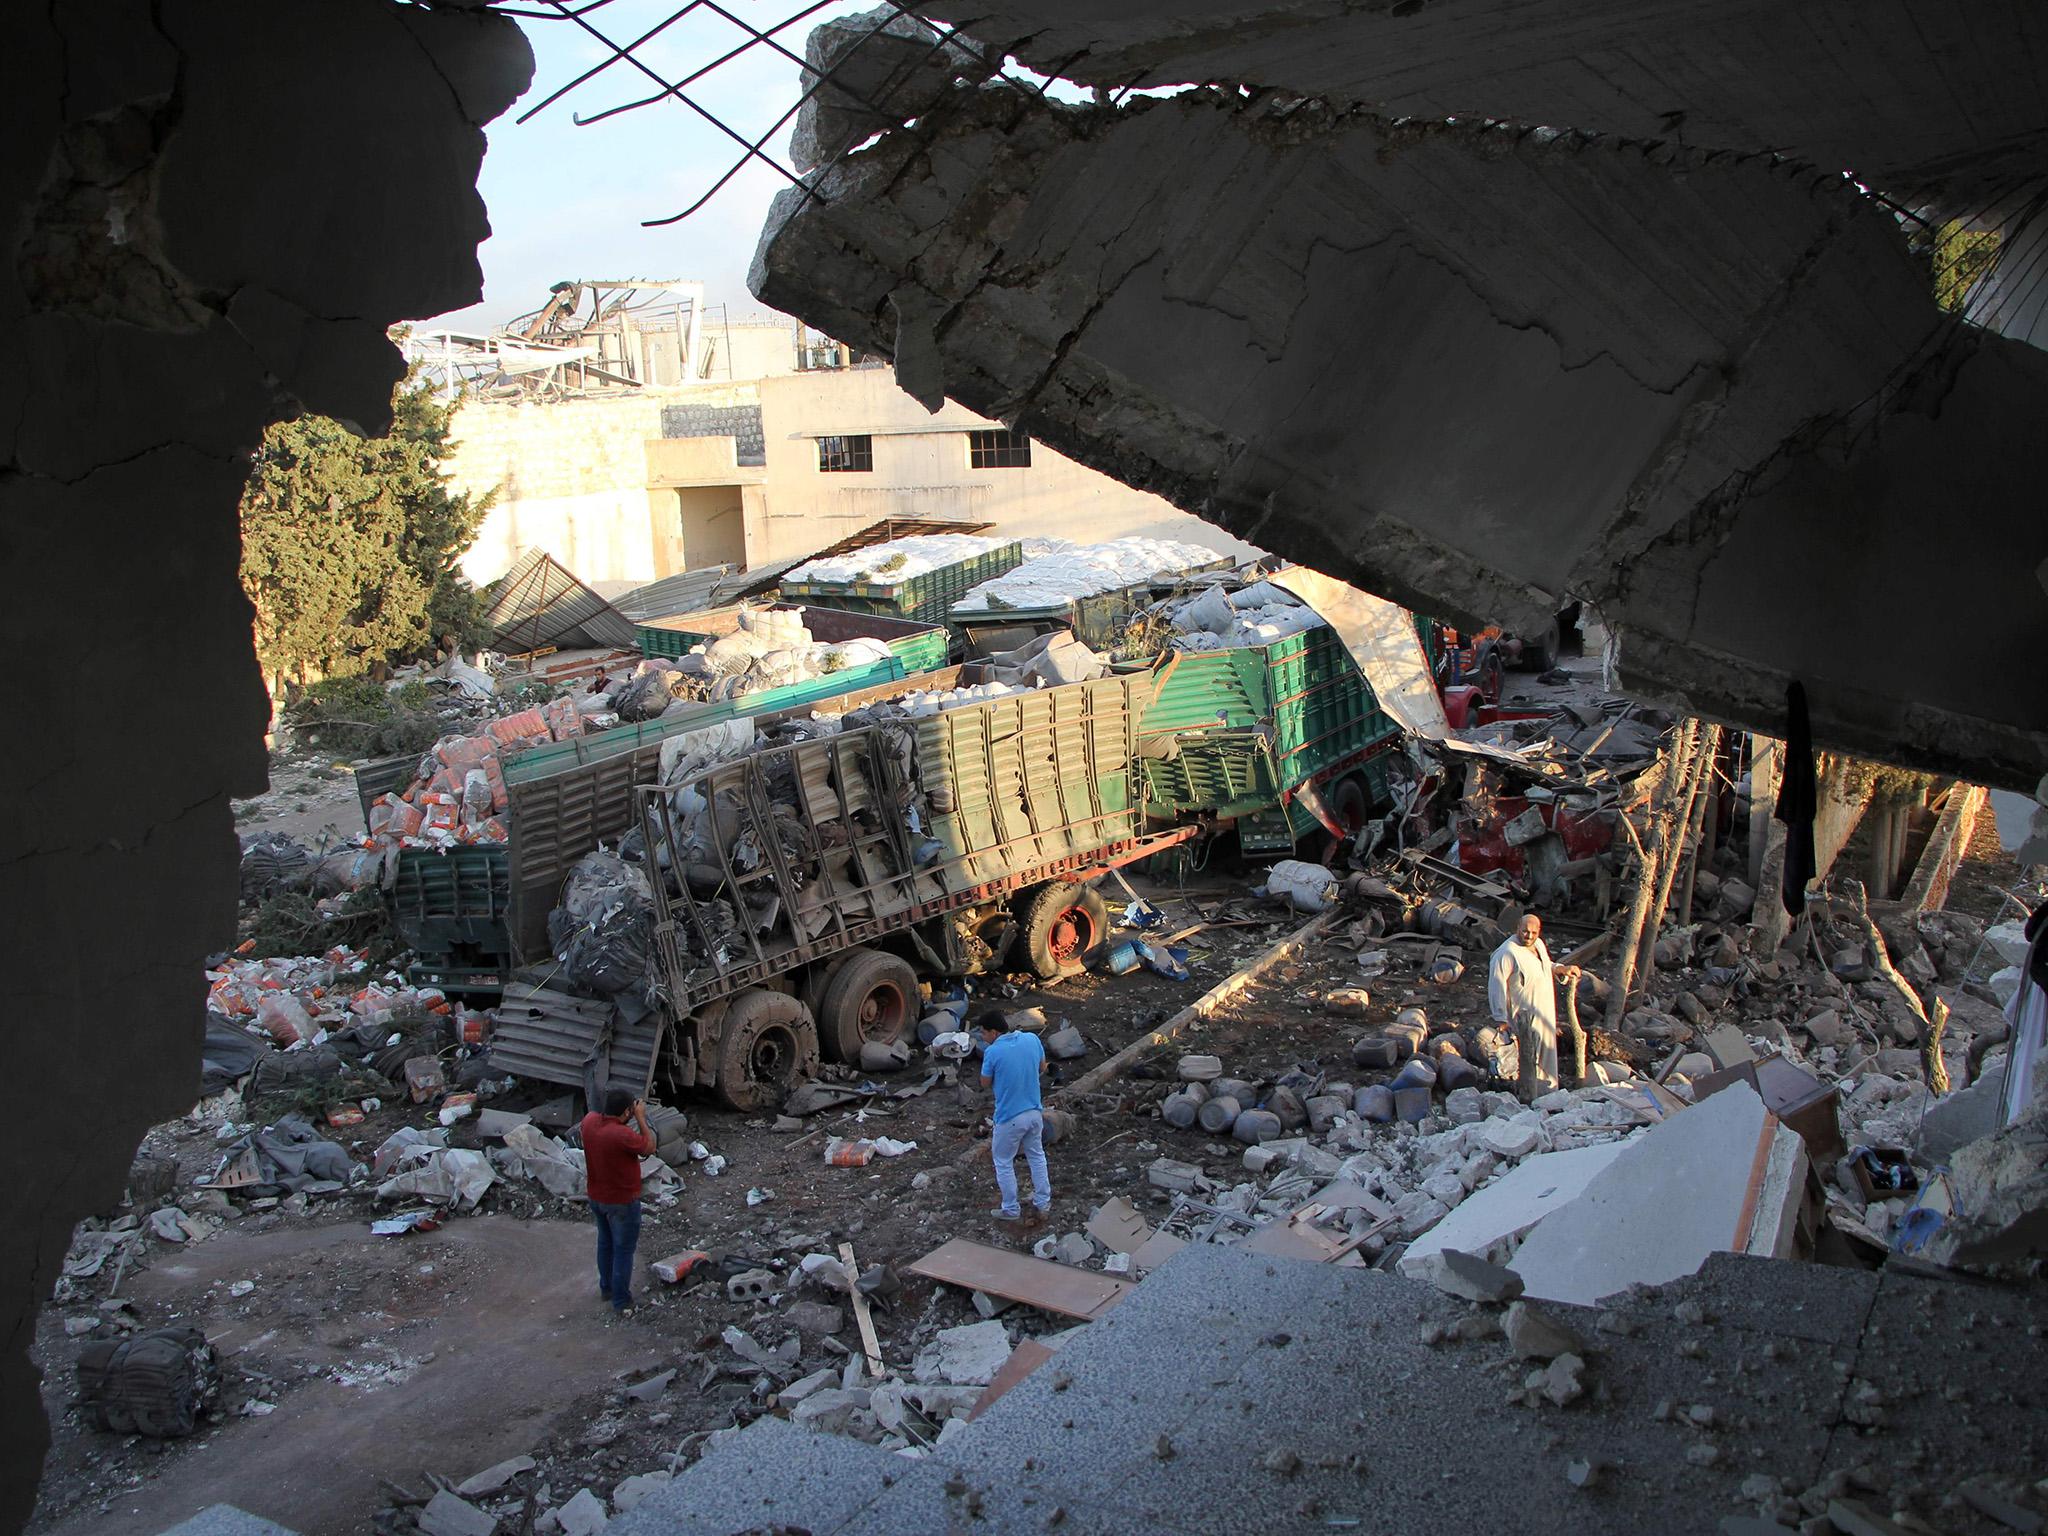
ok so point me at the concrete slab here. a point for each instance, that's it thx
(1949, 1382)
(226, 1520)
(1491, 1219)
(773, 1474)
(1683, 1191)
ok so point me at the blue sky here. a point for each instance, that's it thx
(567, 201)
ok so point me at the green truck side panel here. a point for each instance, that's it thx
(927, 596)
(1251, 723)
(1036, 777)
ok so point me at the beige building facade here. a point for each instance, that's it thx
(631, 486)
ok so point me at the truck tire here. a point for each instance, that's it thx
(1540, 652)
(768, 1046)
(1351, 803)
(1061, 923)
(871, 998)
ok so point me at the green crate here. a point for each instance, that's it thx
(927, 597)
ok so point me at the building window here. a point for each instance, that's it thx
(837, 455)
(1000, 449)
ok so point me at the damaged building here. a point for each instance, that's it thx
(1480, 307)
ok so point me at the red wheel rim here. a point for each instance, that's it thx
(1072, 935)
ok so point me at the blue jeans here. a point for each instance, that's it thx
(1026, 1133)
(618, 1234)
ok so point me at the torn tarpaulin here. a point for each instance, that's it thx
(291, 1155)
(445, 1175)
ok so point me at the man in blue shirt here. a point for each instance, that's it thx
(1011, 1062)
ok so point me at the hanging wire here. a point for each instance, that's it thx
(976, 62)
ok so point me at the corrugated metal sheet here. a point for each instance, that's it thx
(685, 592)
(578, 1042)
(541, 602)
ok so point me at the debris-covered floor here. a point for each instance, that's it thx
(402, 1380)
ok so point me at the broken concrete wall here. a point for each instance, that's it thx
(213, 210)
(1908, 97)
(1474, 368)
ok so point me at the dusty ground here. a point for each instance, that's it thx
(386, 1359)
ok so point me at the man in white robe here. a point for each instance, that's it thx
(1521, 990)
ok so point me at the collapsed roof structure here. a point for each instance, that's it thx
(1676, 309)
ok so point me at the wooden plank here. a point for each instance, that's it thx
(1201, 1007)
(1027, 1357)
(870, 1346)
(1056, 1288)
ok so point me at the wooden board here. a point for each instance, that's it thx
(1057, 1288)
(1027, 1357)
(869, 1344)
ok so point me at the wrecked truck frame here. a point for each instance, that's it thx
(822, 880)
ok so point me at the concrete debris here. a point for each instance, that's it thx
(1534, 1334)
(447, 1514)
(629, 1492)
(1474, 1279)
(583, 1515)
(967, 1356)
(491, 1479)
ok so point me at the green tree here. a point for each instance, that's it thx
(349, 543)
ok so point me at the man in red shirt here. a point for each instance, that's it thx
(613, 1144)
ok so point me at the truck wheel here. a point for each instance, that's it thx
(1540, 653)
(872, 996)
(1062, 923)
(1351, 804)
(768, 1047)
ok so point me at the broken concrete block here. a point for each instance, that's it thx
(491, 1479)
(1464, 1106)
(753, 1285)
(1534, 1334)
(1491, 1219)
(1418, 1213)
(830, 1411)
(1174, 1176)
(447, 1514)
(1200, 1069)
(1463, 1275)
(1516, 1138)
(1075, 1248)
(631, 1490)
(815, 1318)
(1563, 1382)
(583, 1515)
(990, 1306)
(965, 1356)
(804, 1387)
(1445, 1188)
(1348, 1000)
(1724, 1175)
